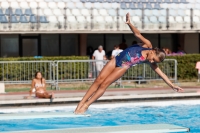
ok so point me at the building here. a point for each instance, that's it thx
(68, 27)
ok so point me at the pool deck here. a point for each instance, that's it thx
(74, 96)
(139, 96)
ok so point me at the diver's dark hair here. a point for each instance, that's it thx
(36, 75)
(160, 53)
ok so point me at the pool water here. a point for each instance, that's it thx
(181, 115)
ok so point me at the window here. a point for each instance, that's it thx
(9, 46)
(49, 45)
(69, 44)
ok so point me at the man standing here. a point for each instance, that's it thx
(116, 51)
(99, 56)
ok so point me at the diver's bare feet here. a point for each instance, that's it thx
(78, 107)
(82, 110)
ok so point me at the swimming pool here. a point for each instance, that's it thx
(183, 113)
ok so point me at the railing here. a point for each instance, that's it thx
(22, 72)
(65, 71)
(77, 70)
(143, 72)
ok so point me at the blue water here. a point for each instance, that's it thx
(182, 115)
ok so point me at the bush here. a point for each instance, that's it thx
(186, 65)
(21, 71)
(45, 58)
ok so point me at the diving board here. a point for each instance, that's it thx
(141, 128)
(36, 115)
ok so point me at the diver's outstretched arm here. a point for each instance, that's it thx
(165, 78)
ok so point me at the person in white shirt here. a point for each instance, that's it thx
(99, 55)
(116, 51)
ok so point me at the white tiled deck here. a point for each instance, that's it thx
(103, 98)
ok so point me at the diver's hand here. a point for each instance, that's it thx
(177, 89)
(128, 18)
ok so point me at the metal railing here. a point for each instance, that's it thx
(22, 72)
(77, 70)
(143, 72)
(65, 71)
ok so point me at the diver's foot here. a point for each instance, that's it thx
(78, 107)
(82, 110)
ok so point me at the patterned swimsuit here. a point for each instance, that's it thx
(131, 56)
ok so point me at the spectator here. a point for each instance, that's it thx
(198, 67)
(123, 45)
(134, 43)
(90, 51)
(181, 50)
(164, 49)
(167, 51)
(38, 87)
(116, 51)
(109, 54)
(99, 55)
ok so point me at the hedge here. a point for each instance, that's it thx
(45, 58)
(73, 70)
(186, 65)
(26, 71)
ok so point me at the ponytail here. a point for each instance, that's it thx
(160, 53)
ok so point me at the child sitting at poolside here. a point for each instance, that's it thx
(38, 87)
